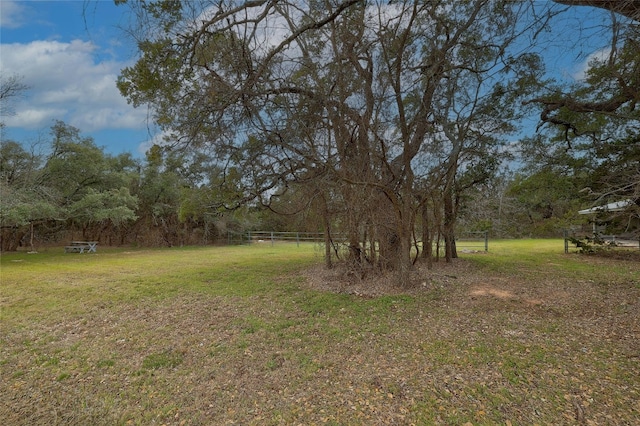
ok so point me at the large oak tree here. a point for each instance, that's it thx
(369, 98)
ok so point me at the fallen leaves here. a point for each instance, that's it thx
(453, 359)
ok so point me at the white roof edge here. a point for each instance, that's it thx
(611, 207)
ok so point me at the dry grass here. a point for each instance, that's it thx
(483, 341)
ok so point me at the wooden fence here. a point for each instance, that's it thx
(475, 241)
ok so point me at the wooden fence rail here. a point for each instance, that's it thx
(466, 240)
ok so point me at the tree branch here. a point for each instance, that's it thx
(628, 8)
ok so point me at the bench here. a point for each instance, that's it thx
(81, 247)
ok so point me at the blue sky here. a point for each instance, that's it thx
(70, 53)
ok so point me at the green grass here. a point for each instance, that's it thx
(168, 359)
(54, 283)
(523, 334)
(537, 256)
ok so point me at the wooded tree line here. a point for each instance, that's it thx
(385, 122)
(67, 187)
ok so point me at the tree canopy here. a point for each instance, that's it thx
(382, 103)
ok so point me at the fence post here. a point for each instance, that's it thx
(297, 239)
(272, 238)
(486, 240)
(565, 235)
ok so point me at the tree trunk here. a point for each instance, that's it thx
(404, 232)
(11, 237)
(373, 257)
(31, 238)
(449, 225)
(327, 243)
(427, 237)
(404, 258)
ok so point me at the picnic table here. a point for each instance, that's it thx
(81, 247)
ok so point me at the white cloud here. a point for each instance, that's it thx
(65, 83)
(601, 55)
(28, 116)
(157, 139)
(11, 14)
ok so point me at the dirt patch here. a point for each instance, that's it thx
(461, 278)
(631, 254)
(342, 280)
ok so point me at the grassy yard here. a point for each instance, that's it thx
(261, 334)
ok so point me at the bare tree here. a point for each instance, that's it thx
(10, 88)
